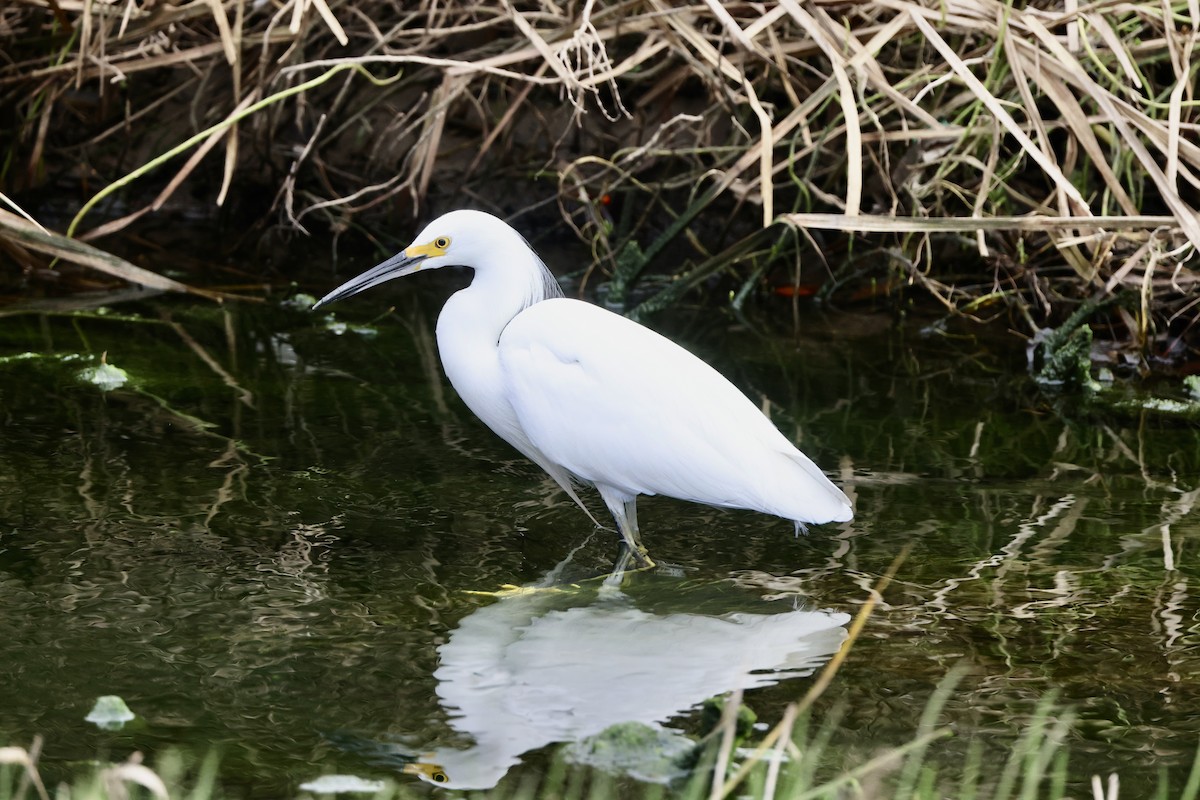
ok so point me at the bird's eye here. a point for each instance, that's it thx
(442, 242)
(440, 777)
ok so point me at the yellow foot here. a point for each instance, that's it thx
(643, 559)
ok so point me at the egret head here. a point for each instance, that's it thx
(462, 238)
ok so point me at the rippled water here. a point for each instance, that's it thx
(278, 536)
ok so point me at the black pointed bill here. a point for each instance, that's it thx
(397, 266)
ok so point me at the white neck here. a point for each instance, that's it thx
(469, 329)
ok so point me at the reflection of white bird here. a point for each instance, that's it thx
(516, 676)
(587, 394)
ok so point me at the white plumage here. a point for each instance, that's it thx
(592, 396)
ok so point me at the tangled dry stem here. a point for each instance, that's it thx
(1056, 150)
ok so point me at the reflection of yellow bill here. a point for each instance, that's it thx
(426, 772)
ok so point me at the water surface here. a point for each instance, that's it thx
(279, 537)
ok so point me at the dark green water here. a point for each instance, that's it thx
(270, 539)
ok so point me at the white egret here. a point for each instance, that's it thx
(593, 397)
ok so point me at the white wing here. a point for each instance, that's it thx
(623, 407)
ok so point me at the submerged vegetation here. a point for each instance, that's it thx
(1008, 160)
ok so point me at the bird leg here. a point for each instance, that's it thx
(628, 524)
(624, 511)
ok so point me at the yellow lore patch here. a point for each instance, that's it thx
(437, 247)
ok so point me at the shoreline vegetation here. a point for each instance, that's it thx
(1008, 162)
(1037, 767)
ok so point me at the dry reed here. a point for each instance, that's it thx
(1029, 157)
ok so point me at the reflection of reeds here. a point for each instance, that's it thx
(781, 734)
(1034, 137)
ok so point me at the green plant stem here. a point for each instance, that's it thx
(223, 125)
